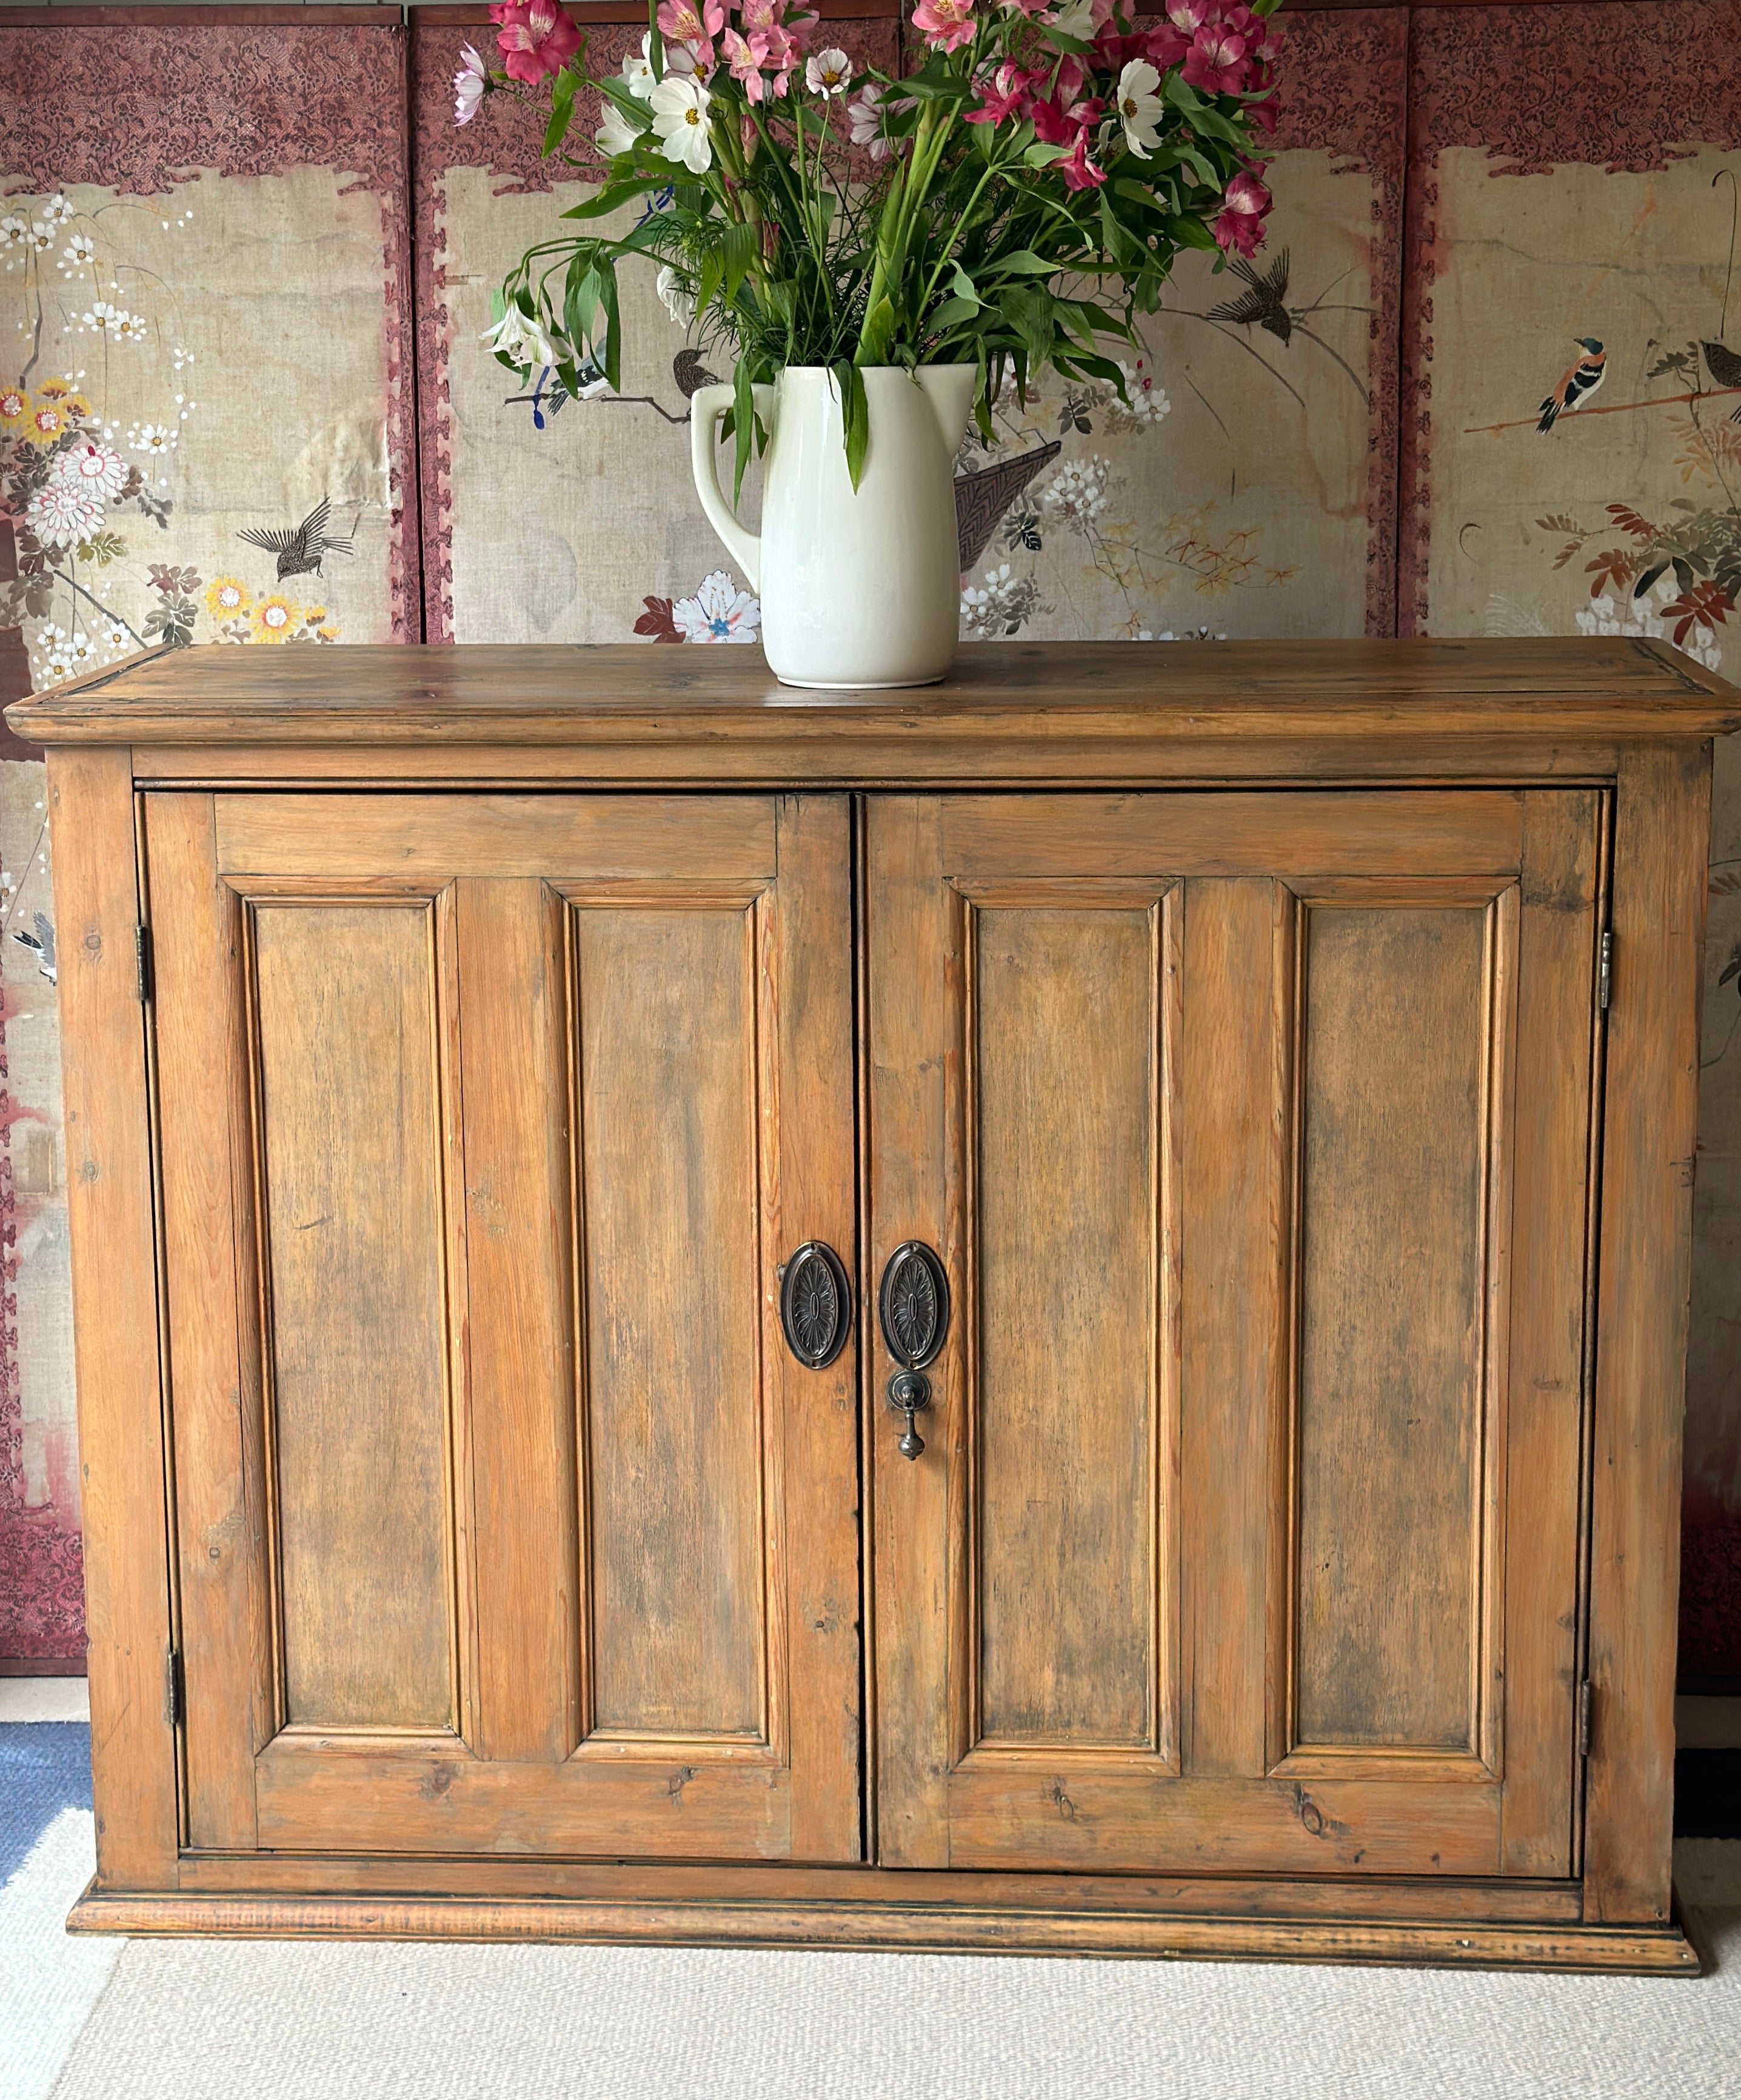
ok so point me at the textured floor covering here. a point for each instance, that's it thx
(49, 1982)
(45, 1766)
(203, 2020)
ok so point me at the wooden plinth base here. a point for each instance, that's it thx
(893, 1927)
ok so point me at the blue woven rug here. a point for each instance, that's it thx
(45, 1766)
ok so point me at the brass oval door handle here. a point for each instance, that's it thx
(912, 1308)
(816, 1304)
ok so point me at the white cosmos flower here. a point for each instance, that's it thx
(638, 68)
(153, 439)
(130, 327)
(13, 230)
(828, 74)
(57, 211)
(680, 117)
(78, 251)
(616, 134)
(116, 638)
(40, 237)
(677, 294)
(1139, 107)
(103, 317)
(524, 341)
(468, 86)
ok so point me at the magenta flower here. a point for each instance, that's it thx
(1078, 171)
(945, 25)
(1008, 93)
(535, 38)
(1164, 47)
(1216, 62)
(1239, 225)
(468, 85)
(1188, 16)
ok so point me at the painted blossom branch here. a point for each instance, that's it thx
(1607, 408)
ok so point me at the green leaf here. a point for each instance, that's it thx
(561, 109)
(614, 193)
(1061, 42)
(607, 298)
(1040, 155)
(743, 426)
(877, 334)
(953, 312)
(965, 287)
(855, 416)
(737, 253)
(1024, 263)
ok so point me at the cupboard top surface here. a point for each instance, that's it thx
(1050, 701)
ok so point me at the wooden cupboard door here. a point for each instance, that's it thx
(1252, 1132)
(506, 1520)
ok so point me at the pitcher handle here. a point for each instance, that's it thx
(707, 405)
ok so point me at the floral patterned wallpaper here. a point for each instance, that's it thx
(244, 260)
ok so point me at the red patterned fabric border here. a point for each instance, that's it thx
(1344, 91)
(506, 137)
(1628, 89)
(243, 99)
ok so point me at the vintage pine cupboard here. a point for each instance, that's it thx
(528, 1109)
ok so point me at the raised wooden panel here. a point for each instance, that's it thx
(1068, 1218)
(350, 1142)
(1403, 1063)
(667, 1059)
(603, 837)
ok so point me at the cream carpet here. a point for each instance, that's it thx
(207, 2020)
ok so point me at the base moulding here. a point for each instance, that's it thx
(895, 1926)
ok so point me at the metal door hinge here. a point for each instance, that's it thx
(142, 956)
(174, 1687)
(1585, 1702)
(1604, 972)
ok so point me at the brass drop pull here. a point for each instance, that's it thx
(912, 1308)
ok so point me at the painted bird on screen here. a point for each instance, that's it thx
(1579, 383)
(305, 546)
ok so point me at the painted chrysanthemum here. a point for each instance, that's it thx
(62, 512)
(94, 469)
(227, 596)
(273, 618)
(45, 423)
(14, 401)
(719, 612)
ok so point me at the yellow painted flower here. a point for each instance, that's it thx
(54, 390)
(75, 404)
(44, 423)
(313, 615)
(14, 401)
(329, 635)
(273, 619)
(227, 596)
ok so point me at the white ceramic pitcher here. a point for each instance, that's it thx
(857, 588)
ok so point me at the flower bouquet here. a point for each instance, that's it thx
(1010, 203)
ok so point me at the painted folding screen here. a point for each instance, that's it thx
(203, 285)
(1573, 201)
(251, 192)
(1248, 488)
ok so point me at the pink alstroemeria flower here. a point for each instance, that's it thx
(1164, 47)
(746, 57)
(1216, 62)
(1188, 16)
(1008, 93)
(945, 25)
(1239, 225)
(535, 38)
(1078, 171)
(682, 22)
